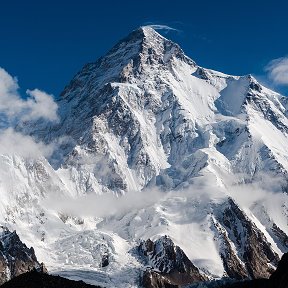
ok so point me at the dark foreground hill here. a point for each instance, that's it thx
(36, 279)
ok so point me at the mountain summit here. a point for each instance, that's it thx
(151, 144)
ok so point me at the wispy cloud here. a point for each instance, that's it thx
(162, 27)
(277, 70)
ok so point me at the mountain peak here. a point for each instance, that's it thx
(141, 34)
(142, 49)
(146, 41)
(144, 32)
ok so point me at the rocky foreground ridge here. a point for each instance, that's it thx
(166, 264)
(36, 279)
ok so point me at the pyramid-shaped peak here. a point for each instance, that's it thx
(140, 50)
(145, 40)
(143, 34)
(144, 43)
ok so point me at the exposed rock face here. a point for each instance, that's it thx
(233, 266)
(15, 257)
(152, 279)
(253, 256)
(171, 263)
(279, 279)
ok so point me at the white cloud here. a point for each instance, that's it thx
(9, 98)
(41, 105)
(278, 71)
(38, 105)
(14, 109)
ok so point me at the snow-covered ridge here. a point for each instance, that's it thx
(151, 144)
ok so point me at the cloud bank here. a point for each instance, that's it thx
(104, 205)
(278, 71)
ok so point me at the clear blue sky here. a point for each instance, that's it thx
(44, 43)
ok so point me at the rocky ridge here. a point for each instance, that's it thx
(15, 257)
(167, 264)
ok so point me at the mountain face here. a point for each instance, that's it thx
(151, 144)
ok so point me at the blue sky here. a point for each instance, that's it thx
(44, 43)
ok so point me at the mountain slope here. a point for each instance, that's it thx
(151, 144)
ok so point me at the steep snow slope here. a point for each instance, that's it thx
(150, 144)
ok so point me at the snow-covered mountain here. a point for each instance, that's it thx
(151, 144)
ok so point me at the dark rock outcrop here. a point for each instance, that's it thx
(279, 278)
(169, 264)
(15, 257)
